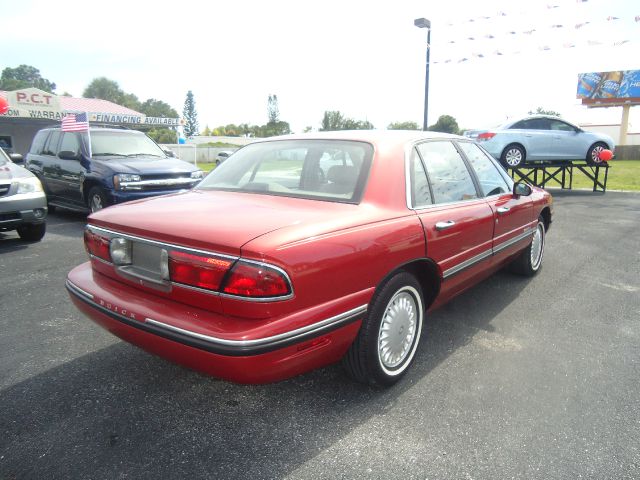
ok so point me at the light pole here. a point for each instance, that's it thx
(424, 23)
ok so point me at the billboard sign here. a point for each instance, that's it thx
(621, 87)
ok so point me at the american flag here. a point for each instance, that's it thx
(75, 122)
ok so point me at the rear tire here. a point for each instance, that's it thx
(32, 232)
(529, 262)
(513, 156)
(97, 199)
(389, 336)
(593, 155)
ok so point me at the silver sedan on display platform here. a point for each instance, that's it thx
(541, 138)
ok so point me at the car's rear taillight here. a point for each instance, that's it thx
(483, 137)
(197, 270)
(257, 281)
(97, 245)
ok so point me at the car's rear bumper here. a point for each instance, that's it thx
(239, 357)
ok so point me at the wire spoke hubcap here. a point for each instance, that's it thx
(537, 247)
(398, 329)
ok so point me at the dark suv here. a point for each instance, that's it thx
(123, 165)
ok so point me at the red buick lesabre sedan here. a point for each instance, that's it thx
(305, 250)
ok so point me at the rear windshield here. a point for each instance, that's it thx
(125, 143)
(333, 170)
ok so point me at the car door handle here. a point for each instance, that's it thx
(528, 135)
(503, 209)
(445, 225)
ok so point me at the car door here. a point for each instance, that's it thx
(568, 142)
(512, 214)
(71, 171)
(457, 223)
(534, 134)
(51, 165)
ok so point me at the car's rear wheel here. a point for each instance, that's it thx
(513, 156)
(389, 336)
(32, 232)
(529, 261)
(97, 199)
(593, 155)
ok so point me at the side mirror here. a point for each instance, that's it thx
(169, 153)
(68, 155)
(16, 158)
(522, 189)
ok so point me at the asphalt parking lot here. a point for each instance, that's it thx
(515, 378)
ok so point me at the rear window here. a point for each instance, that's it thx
(315, 169)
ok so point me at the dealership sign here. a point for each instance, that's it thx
(621, 87)
(38, 104)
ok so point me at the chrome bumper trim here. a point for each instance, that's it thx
(487, 253)
(220, 345)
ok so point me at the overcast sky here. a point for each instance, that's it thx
(364, 58)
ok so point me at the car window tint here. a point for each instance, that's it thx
(70, 143)
(539, 124)
(328, 170)
(558, 125)
(37, 145)
(491, 181)
(51, 145)
(531, 124)
(420, 191)
(448, 174)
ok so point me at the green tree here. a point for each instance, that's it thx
(272, 109)
(104, 88)
(334, 120)
(350, 124)
(157, 108)
(445, 124)
(542, 111)
(403, 126)
(24, 76)
(131, 101)
(331, 121)
(206, 132)
(190, 115)
(163, 135)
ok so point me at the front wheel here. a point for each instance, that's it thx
(593, 155)
(389, 336)
(529, 261)
(513, 156)
(97, 199)
(32, 232)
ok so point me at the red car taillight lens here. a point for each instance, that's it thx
(97, 245)
(255, 280)
(483, 137)
(197, 270)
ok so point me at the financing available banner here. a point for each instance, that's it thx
(621, 87)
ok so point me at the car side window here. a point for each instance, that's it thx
(449, 177)
(420, 191)
(558, 125)
(491, 181)
(51, 146)
(531, 124)
(38, 142)
(70, 143)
